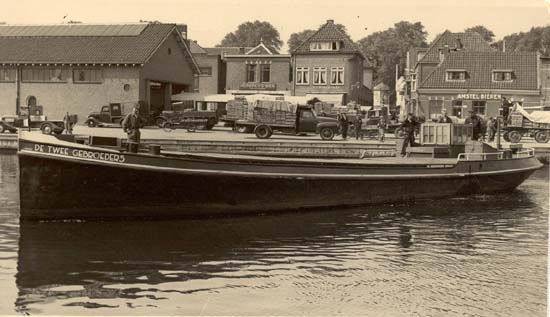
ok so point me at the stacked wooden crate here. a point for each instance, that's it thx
(274, 112)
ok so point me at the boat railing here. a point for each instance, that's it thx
(480, 156)
(527, 152)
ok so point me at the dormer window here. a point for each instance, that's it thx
(502, 75)
(456, 75)
(325, 46)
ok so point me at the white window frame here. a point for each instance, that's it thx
(321, 71)
(495, 72)
(336, 70)
(325, 46)
(302, 76)
(448, 75)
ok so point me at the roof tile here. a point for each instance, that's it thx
(329, 32)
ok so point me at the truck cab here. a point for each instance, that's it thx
(110, 114)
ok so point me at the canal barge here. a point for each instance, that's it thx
(60, 179)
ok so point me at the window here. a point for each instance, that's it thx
(325, 46)
(251, 73)
(43, 75)
(265, 73)
(337, 76)
(206, 70)
(302, 75)
(196, 83)
(479, 107)
(457, 108)
(456, 75)
(435, 107)
(413, 82)
(502, 75)
(7, 74)
(319, 75)
(87, 75)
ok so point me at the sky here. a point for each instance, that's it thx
(209, 20)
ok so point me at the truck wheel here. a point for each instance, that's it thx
(399, 133)
(326, 133)
(514, 136)
(505, 136)
(191, 128)
(91, 124)
(47, 128)
(160, 122)
(167, 127)
(2, 129)
(263, 131)
(542, 136)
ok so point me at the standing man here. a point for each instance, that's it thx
(131, 125)
(444, 117)
(357, 122)
(382, 125)
(492, 128)
(344, 125)
(408, 126)
(475, 121)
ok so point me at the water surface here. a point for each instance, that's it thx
(475, 256)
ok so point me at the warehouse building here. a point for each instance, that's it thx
(77, 68)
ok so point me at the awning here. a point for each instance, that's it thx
(218, 98)
(298, 100)
(330, 98)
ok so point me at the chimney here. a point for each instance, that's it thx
(330, 21)
(459, 44)
(183, 29)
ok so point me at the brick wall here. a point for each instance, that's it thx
(545, 81)
(353, 72)
(77, 98)
(209, 84)
(169, 64)
(492, 106)
(236, 72)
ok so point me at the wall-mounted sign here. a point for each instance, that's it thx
(479, 96)
(258, 86)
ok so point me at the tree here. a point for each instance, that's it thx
(536, 40)
(298, 38)
(388, 48)
(487, 34)
(249, 34)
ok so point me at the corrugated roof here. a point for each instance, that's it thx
(72, 30)
(470, 41)
(479, 67)
(127, 49)
(329, 32)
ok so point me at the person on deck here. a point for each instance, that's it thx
(444, 117)
(492, 128)
(68, 124)
(131, 125)
(408, 126)
(475, 121)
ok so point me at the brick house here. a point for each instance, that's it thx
(331, 67)
(478, 80)
(77, 68)
(258, 70)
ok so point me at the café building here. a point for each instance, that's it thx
(479, 81)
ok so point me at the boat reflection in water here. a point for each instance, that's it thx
(480, 255)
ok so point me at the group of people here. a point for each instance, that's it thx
(344, 125)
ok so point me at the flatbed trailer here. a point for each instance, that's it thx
(521, 123)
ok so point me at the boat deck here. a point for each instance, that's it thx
(364, 161)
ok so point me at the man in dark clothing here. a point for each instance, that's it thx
(344, 125)
(475, 121)
(131, 125)
(444, 117)
(408, 126)
(357, 126)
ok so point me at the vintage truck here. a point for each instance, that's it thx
(522, 123)
(38, 121)
(266, 117)
(111, 115)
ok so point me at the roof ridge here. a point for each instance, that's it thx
(309, 37)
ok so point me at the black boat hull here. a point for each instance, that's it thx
(61, 187)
